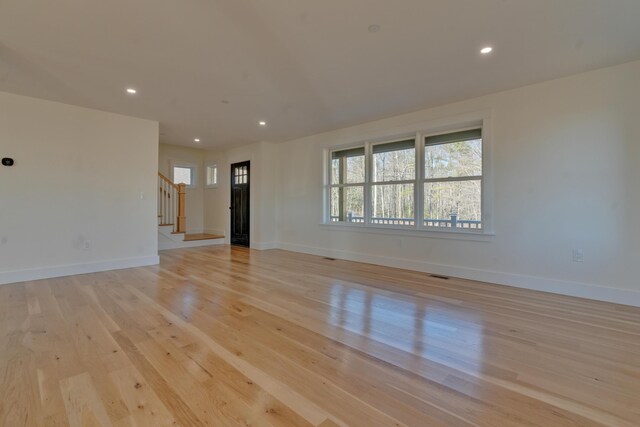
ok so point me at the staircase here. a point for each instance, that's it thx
(172, 220)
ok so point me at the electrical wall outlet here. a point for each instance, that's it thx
(578, 255)
(86, 246)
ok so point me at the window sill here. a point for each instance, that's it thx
(477, 236)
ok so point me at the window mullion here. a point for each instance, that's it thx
(419, 185)
(368, 178)
(455, 179)
(407, 181)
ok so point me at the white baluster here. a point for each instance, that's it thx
(171, 206)
(165, 204)
(164, 220)
(159, 202)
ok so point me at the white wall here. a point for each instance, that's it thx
(72, 202)
(216, 207)
(566, 175)
(565, 156)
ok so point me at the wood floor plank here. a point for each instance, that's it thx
(84, 406)
(227, 336)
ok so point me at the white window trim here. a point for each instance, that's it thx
(206, 172)
(192, 166)
(482, 119)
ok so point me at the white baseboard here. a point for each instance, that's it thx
(575, 289)
(168, 244)
(72, 269)
(264, 246)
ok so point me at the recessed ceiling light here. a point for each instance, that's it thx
(262, 123)
(486, 50)
(132, 91)
(374, 28)
(196, 140)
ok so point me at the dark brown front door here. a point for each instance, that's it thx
(240, 213)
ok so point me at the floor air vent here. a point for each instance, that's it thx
(437, 276)
(329, 259)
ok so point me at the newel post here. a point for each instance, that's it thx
(182, 218)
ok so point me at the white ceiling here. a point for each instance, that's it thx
(303, 66)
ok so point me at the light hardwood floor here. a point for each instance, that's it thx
(225, 336)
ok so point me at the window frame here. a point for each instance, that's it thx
(424, 180)
(481, 120)
(331, 186)
(370, 173)
(206, 175)
(194, 172)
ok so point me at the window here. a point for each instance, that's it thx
(347, 186)
(212, 176)
(453, 180)
(240, 175)
(424, 182)
(184, 174)
(393, 186)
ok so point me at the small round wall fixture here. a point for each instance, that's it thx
(7, 161)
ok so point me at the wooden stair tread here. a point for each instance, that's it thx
(163, 225)
(201, 236)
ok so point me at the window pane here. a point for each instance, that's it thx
(212, 175)
(454, 159)
(182, 175)
(453, 204)
(355, 170)
(347, 204)
(395, 161)
(347, 166)
(392, 204)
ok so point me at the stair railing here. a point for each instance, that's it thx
(171, 204)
